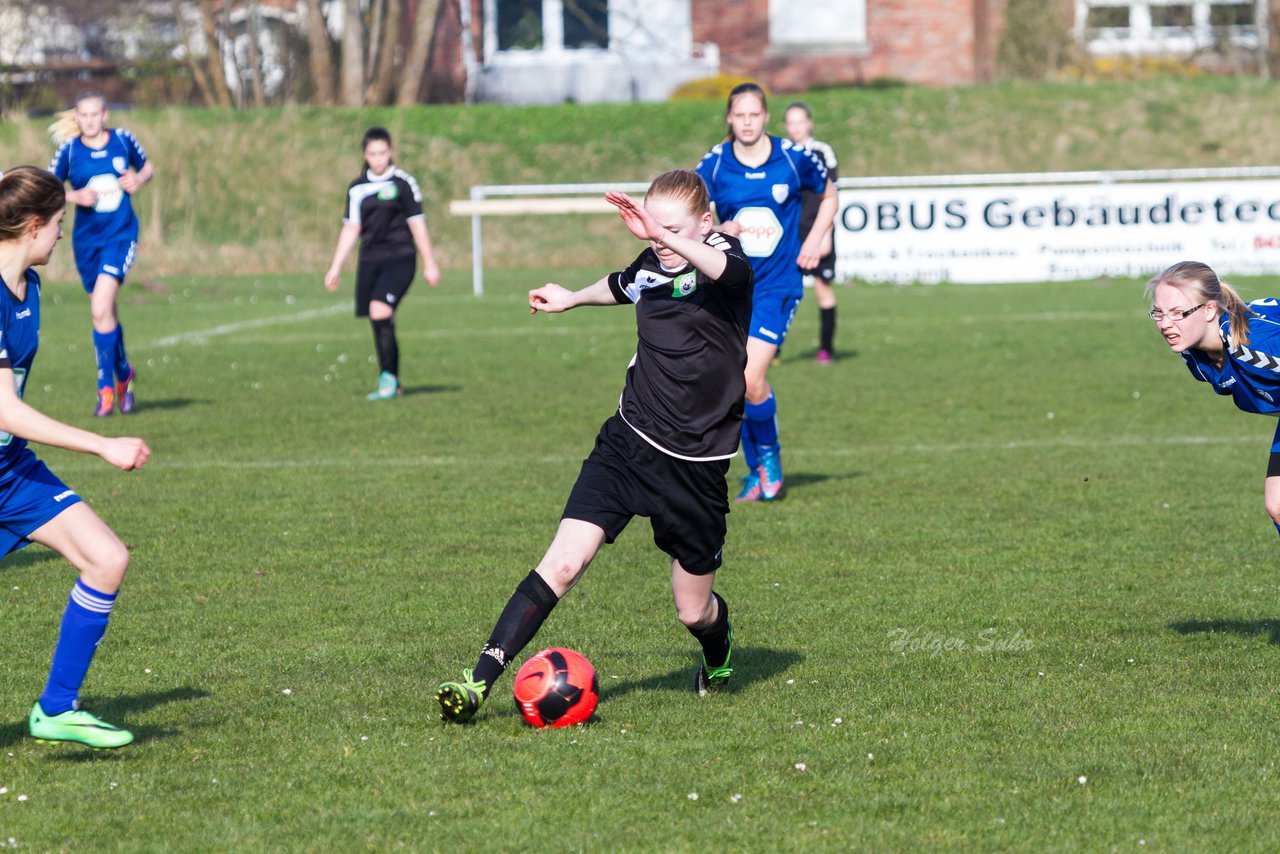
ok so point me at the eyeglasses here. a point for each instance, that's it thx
(1174, 314)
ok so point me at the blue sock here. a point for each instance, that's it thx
(104, 349)
(83, 624)
(749, 452)
(122, 360)
(1278, 527)
(761, 419)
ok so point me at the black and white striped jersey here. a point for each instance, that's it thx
(685, 383)
(810, 200)
(383, 206)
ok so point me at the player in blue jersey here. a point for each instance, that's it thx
(1232, 345)
(383, 213)
(105, 167)
(35, 506)
(756, 181)
(665, 452)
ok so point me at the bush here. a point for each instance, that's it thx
(1118, 69)
(715, 88)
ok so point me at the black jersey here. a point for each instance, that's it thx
(809, 200)
(685, 384)
(383, 206)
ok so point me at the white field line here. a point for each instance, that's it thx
(870, 452)
(202, 336)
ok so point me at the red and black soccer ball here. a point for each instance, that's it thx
(557, 687)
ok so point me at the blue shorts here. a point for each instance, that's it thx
(113, 259)
(31, 496)
(771, 314)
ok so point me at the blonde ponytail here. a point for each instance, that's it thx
(1238, 311)
(65, 127)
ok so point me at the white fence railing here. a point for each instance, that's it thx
(1036, 227)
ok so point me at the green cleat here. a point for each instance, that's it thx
(459, 701)
(388, 387)
(76, 725)
(713, 680)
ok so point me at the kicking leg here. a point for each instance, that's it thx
(575, 544)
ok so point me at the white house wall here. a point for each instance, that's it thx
(650, 53)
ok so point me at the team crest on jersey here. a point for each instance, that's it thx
(780, 192)
(389, 192)
(683, 285)
(117, 163)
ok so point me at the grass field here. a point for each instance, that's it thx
(1020, 593)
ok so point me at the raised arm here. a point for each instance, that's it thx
(705, 259)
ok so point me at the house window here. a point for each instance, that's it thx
(799, 23)
(1169, 26)
(519, 24)
(549, 26)
(586, 23)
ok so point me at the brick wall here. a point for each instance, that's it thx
(936, 42)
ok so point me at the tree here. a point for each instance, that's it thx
(384, 45)
(213, 50)
(415, 64)
(352, 82)
(319, 51)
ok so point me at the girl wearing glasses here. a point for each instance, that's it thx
(1225, 342)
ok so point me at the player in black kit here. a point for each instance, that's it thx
(666, 451)
(383, 213)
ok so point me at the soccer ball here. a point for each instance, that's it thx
(557, 687)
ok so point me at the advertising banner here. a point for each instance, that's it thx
(1037, 233)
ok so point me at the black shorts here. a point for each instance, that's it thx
(826, 269)
(385, 281)
(1273, 465)
(687, 502)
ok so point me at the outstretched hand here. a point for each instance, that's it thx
(550, 298)
(642, 225)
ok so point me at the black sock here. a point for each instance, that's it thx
(827, 328)
(520, 621)
(384, 341)
(715, 637)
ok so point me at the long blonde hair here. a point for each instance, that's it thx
(65, 126)
(1201, 284)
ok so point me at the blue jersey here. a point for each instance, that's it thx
(99, 169)
(766, 201)
(19, 338)
(1251, 372)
